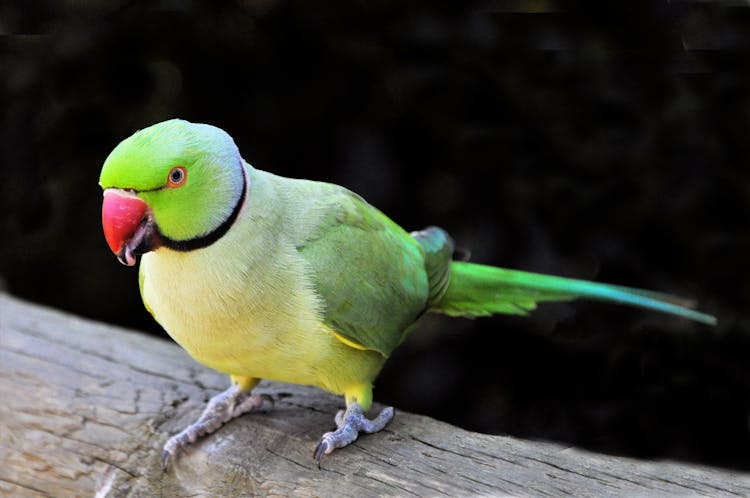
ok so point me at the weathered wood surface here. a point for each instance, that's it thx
(86, 408)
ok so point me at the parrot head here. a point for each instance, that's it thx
(176, 184)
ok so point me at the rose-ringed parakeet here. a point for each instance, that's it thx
(264, 277)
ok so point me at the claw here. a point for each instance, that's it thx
(322, 448)
(172, 453)
(220, 409)
(167, 456)
(349, 424)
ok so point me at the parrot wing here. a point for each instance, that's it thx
(368, 271)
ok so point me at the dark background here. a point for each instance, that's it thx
(602, 140)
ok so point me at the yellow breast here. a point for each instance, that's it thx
(245, 310)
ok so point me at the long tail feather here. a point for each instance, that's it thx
(477, 290)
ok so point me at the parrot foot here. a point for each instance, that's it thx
(349, 424)
(220, 409)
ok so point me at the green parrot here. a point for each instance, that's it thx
(264, 277)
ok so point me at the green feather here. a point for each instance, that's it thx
(438, 253)
(368, 272)
(142, 162)
(479, 290)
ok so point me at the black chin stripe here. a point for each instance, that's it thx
(214, 235)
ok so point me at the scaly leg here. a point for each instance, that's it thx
(222, 408)
(351, 422)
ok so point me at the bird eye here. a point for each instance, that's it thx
(177, 176)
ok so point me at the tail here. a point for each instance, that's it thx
(480, 290)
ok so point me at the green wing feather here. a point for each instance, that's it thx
(438, 247)
(479, 290)
(368, 271)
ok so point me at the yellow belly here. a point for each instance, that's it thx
(243, 319)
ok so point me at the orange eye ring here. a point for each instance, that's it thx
(177, 176)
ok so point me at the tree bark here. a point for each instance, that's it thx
(87, 407)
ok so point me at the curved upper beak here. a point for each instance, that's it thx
(127, 225)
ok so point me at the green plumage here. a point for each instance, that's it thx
(401, 276)
(480, 290)
(261, 276)
(368, 271)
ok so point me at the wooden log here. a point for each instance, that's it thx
(86, 408)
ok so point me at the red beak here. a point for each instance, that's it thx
(122, 216)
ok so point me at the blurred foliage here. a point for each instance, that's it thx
(602, 140)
